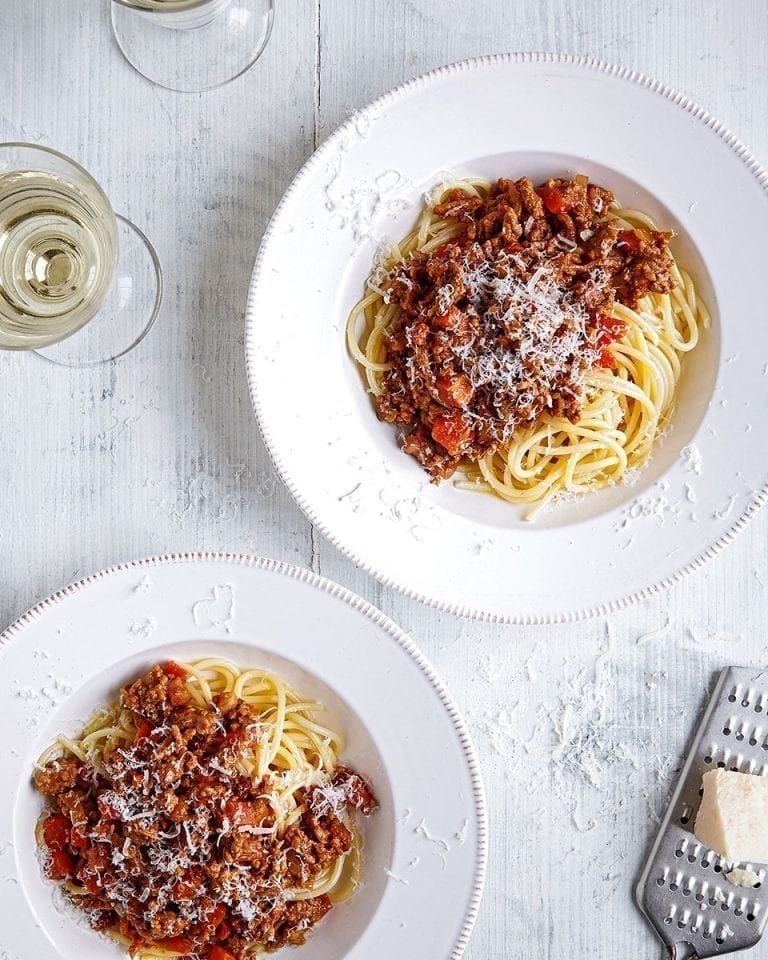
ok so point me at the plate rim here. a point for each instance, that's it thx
(12, 632)
(658, 87)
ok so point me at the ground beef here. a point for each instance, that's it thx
(175, 846)
(57, 777)
(155, 696)
(502, 324)
(357, 792)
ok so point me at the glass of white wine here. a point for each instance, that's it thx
(192, 45)
(78, 284)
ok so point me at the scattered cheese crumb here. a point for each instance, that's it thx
(742, 878)
(691, 457)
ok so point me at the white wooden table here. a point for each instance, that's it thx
(579, 728)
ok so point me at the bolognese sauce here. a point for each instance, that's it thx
(167, 843)
(501, 323)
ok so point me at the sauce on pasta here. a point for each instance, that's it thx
(204, 816)
(528, 337)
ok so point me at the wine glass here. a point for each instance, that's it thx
(192, 45)
(78, 284)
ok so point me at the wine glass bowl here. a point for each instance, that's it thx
(192, 45)
(58, 247)
(79, 284)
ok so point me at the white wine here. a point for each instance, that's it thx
(167, 6)
(179, 14)
(202, 8)
(58, 255)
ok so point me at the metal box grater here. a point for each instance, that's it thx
(683, 890)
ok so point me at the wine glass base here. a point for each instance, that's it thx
(170, 52)
(127, 314)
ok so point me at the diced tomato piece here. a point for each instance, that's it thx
(450, 320)
(92, 883)
(143, 732)
(219, 953)
(218, 914)
(187, 887)
(450, 430)
(607, 359)
(454, 391)
(553, 200)
(62, 865)
(56, 832)
(609, 329)
(78, 840)
(245, 814)
(630, 239)
(177, 944)
(173, 669)
(223, 931)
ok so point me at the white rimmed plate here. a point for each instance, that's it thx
(424, 848)
(511, 115)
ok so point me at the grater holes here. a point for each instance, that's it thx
(751, 917)
(660, 881)
(717, 868)
(720, 940)
(726, 731)
(673, 886)
(707, 759)
(691, 858)
(745, 702)
(752, 741)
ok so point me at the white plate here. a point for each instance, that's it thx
(511, 115)
(424, 848)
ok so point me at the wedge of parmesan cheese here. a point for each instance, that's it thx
(733, 816)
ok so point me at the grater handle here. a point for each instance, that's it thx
(680, 951)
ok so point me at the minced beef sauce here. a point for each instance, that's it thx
(502, 323)
(175, 847)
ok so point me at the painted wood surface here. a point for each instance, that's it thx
(580, 728)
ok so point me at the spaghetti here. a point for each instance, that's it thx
(205, 815)
(530, 338)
